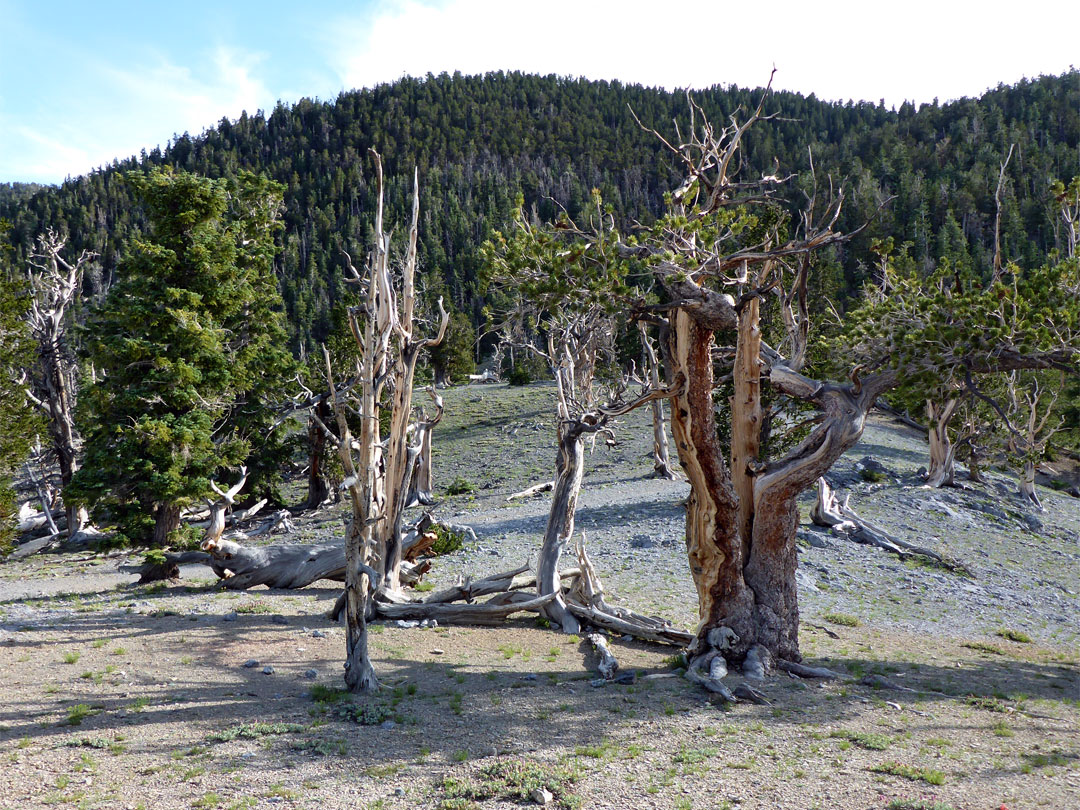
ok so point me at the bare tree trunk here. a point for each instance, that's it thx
(713, 544)
(55, 285)
(560, 525)
(166, 521)
(1027, 483)
(318, 489)
(942, 454)
(661, 458)
(746, 416)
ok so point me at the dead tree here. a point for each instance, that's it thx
(651, 364)
(377, 470)
(421, 484)
(53, 383)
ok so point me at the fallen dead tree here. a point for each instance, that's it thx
(830, 513)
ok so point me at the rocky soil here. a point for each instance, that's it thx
(117, 695)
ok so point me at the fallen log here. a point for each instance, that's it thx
(829, 512)
(536, 489)
(485, 612)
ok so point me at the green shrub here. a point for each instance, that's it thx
(459, 486)
(519, 375)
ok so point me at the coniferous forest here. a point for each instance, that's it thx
(480, 141)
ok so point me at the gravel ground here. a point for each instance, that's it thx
(124, 696)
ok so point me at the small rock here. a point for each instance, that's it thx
(426, 623)
(399, 792)
(406, 623)
(1032, 523)
(229, 617)
(541, 796)
(626, 678)
(437, 651)
(268, 670)
(251, 663)
(277, 618)
(247, 755)
(641, 541)
(387, 724)
(532, 676)
(318, 634)
(311, 674)
(598, 683)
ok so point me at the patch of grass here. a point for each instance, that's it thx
(867, 740)
(328, 694)
(460, 756)
(512, 780)
(207, 801)
(1029, 762)
(918, 804)
(1001, 729)
(424, 587)
(139, 704)
(383, 771)
(605, 749)
(872, 476)
(79, 712)
(1014, 635)
(71, 657)
(989, 704)
(982, 646)
(893, 768)
(324, 748)
(254, 731)
(842, 619)
(99, 643)
(278, 790)
(254, 607)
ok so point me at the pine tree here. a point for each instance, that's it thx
(186, 346)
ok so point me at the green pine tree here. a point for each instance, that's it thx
(188, 348)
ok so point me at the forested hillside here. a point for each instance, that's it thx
(480, 141)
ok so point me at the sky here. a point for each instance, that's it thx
(85, 81)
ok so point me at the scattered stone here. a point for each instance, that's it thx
(532, 676)
(251, 663)
(268, 670)
(437, 651)
(641, 541)
(277, 618)
(814, 539)
(1032, 522)
(598, 683)
(229, 617)
(626, 678)
(405, 624)
(399, 792)
(426, 623)
(318, 634)
(541, 796)
(311, 674)
(387, 724)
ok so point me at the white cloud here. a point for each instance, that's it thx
(113, 113)
(844, 49)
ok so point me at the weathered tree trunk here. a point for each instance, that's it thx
(661, 458)
(942, 454)
(318, 489)
(713, 543)
(560, 525)
(1027, 483)
(743, 556)
(55, 285)
(166, 521)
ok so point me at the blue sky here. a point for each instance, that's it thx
(84, 82)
